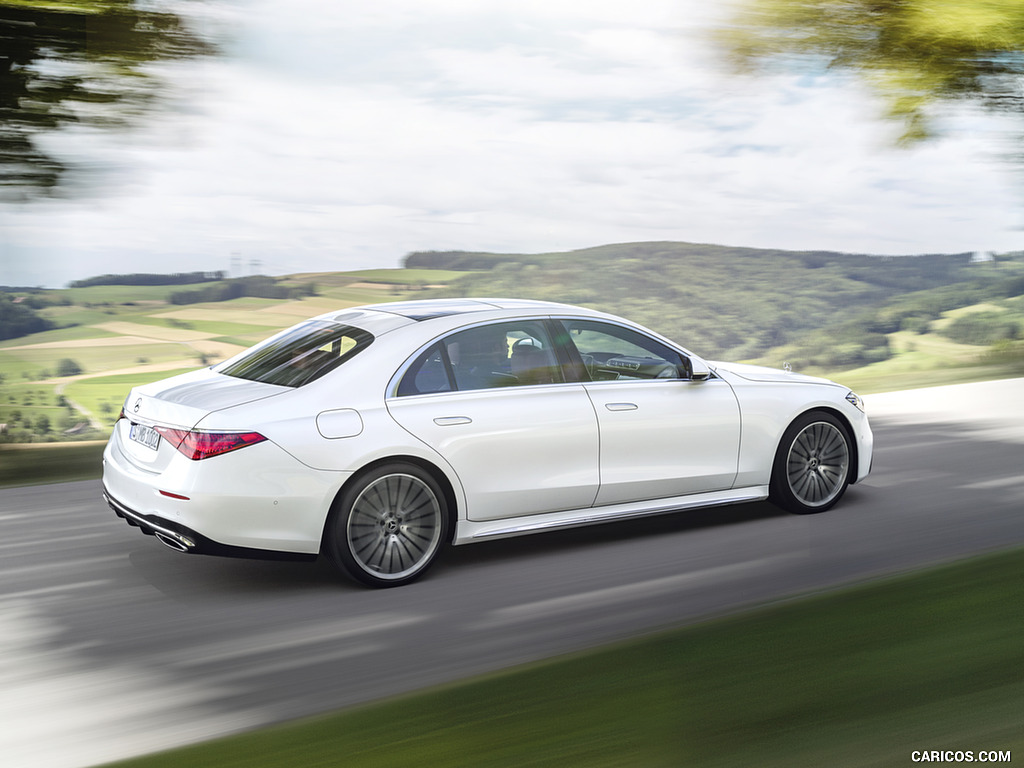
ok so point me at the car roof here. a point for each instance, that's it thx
(429, 309)
(379, 318)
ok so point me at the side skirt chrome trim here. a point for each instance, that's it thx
(468, 530)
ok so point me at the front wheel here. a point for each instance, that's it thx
(812, 464)
(386, 529)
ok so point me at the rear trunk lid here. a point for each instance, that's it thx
(180, 402)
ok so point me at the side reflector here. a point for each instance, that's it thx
(197, 445)
(170, 495)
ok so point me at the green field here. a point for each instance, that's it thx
(920, 360)
(875, 325)
(850, 679)
(408, 277)
(116, 330)
(96, 359)
(122, 294)
(103, 396)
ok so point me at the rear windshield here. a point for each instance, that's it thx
(299, 355)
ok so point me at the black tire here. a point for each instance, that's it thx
(812, 464)
(387, 527)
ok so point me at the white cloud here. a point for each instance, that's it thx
(502, 126)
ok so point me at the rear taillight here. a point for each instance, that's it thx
(197, 445)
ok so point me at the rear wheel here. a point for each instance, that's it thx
(388, 526)
(812, 464)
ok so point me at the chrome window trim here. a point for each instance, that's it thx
(391, 391)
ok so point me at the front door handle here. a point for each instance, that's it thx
(621, 406)
(448, 421)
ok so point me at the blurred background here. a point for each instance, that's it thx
(833, 184)
(310, 135)
(273, 161)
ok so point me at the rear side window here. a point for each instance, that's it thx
(429, 373)
(299, 355)
(513, 353)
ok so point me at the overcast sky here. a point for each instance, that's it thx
(337, 136)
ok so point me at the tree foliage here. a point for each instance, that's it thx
(17, 318)
(68, 367)
(983, 328)
(915, 53)
(259, 286)
(76, 61)
(177, 278)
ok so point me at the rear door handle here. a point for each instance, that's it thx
(449, 421)
(621, 406)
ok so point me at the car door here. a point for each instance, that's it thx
(661, 433)
(493, 401)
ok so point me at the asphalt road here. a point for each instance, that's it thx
(112, 645)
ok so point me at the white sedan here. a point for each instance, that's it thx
(379, 434)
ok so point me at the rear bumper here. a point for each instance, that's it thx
(183, 539)
(244, 503)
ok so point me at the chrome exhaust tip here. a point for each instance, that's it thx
(175, 542)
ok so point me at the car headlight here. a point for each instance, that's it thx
(855, 400)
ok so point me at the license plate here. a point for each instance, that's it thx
(144, 435)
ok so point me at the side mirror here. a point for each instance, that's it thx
(699, 370)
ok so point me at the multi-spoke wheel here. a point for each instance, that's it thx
(387, 528)
(812, 464)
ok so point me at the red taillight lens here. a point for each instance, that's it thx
(202, 445)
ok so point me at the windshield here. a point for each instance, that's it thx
(299, 355)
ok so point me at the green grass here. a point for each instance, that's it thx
(868, 381)
(224, 327)
(36, 464)
(351, 297)
(926, 360)
(242, 313)
(860, 677)
(248, 339)
(408, 276)
(96, 359)
(953, 314)
(13, 365)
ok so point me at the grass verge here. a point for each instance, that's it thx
(32, 464)
(862, 677)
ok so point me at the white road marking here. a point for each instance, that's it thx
(609, 596)
(999, 482)
(59, 589)
(291, 638)
(285, 665)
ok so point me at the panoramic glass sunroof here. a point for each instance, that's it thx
(427, 310)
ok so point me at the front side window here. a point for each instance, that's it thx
(299, 355)
(613, 352)
(508, 354)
